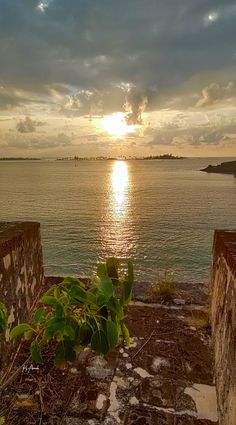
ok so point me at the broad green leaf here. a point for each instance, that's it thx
(73, 282)
(125, 332)
(99, 342)
(115, 307)
(36, 352)
(78, 348)
(100, 299)
(106, 286)
(60, 354)
(64, 352)
(131, 273)
(56, 292)
(3, 310)
(39, 315)
(52, 301)
(91, 295)
(59, 310)
(74, 321)
(70, 353)
(2, 325)
(3, 317)
(28, 335)
(56, 323)
(118, 328)
(48, 300)
(126, 293)
(78, 294)
(53, 326)
(59, 336)
(64, 299)
(19, 330)
(112, 334)
(101, 270)
(128, 285)
(92, 323)
(85, 333)
(112, 264)
(50, 290)
(69, 331)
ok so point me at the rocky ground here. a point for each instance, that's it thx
(164, 378)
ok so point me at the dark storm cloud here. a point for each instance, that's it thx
(94, 45)
(135, 104)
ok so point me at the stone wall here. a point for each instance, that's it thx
(21, 276)
(223, 313)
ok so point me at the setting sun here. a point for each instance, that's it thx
(116, 126)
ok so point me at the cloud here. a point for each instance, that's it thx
(135, 104)
(214, 93)
(193, 136)
(38, 143)
(83, 102)
(160, 45)
(28, 125)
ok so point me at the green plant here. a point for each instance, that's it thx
(75, 317)
(164, 287)
(3, 317)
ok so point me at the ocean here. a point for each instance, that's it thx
(161, 213)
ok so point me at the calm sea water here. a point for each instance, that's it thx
(162, 214)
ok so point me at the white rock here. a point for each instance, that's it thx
(142, 372)
(133, 401)
(204, 397)
(179, 301)
(73, 370)
(100, 401)
(99, 368)
(158, 362)
(23, 396)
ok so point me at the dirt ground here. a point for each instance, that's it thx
(148, 383)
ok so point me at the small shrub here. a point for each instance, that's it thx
(164, 287)
(75, 317)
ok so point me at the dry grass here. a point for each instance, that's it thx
(164, 287)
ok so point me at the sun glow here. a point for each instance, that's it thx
(116, 125)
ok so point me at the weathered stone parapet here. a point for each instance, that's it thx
(21, 274)
(223, 313)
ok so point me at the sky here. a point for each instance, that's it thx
(114, 78)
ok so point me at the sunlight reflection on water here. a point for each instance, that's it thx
(120, 188)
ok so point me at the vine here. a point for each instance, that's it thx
(75, 316)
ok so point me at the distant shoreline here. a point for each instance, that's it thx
(147, 158)
(20, 159)
(223, 168)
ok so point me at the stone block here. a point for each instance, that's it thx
(21, 276)
(223, 316)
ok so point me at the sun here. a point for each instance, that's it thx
(116, 125)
